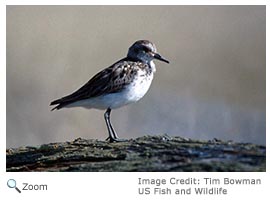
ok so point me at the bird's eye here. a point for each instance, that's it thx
(136, 50)
(145, 49)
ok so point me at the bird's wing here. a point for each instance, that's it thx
(110, 80)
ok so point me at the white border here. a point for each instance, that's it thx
(3, 87)
(138, 2)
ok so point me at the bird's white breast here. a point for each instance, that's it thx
(132, 93)
(138, 88)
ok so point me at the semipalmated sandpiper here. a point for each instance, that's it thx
(124, 82)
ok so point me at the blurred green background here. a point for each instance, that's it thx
(214, 87)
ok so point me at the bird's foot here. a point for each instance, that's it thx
(111, 139)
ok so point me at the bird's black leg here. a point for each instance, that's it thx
(109, 126)
(112, 134)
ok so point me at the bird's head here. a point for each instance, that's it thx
(144, 51)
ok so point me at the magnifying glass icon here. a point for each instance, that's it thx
(11, 183)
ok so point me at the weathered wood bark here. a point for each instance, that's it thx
(148, 153)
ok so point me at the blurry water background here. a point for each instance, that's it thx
(214, 87)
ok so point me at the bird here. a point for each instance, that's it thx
(124, 82)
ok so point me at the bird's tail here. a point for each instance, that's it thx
(60, 105)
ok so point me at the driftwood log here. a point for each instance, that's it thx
(148, 153)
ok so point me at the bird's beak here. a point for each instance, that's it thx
(159, 57)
